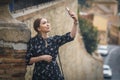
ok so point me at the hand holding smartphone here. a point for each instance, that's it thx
(68, 10)
(72, 14)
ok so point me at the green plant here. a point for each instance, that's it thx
(90, 35)
(119, 28)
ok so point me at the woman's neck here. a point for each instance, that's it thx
(44, 35)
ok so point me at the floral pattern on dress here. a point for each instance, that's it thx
(37, 47)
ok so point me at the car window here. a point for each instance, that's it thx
(106, 69)
(103, 48)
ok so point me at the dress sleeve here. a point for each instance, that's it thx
(63, 39)
(29, 52)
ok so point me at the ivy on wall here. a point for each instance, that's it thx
(90, 35)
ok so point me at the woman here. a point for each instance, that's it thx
(43, 50)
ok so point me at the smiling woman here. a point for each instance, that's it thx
(44, 25)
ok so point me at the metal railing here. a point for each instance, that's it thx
(21, 4)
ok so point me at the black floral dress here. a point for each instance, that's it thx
(37, 46)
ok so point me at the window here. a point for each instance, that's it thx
(21, 4)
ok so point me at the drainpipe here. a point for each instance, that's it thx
(119, 36)
(13, 38)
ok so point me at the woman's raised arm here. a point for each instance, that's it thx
(74, 17)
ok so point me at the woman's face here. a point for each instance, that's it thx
(44, 26)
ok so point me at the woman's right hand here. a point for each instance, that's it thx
(47, 58)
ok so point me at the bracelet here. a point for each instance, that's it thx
(76, 22)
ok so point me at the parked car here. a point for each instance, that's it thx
(103, 50)
(107, 72)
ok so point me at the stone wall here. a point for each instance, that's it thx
(76, 62)
(13, 38)
(12, 64)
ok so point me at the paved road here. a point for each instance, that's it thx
(113, 60)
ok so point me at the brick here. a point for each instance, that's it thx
(20, 51)
(14, 71)
(19, 56)
(6, 50)
(5, 55)
(1, 59)
(5, 77)
(17, 65)
(18, 78)
(2, 71)
(5, 66)
(1, 51)
(12, 60)
(18, 75)
(9, 51)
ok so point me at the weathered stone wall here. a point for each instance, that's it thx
(12, 63)
(76, 62)
(13, 38)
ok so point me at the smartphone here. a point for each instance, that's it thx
(67, 9)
